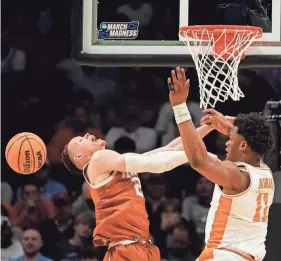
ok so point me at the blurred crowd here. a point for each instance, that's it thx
(50, 215)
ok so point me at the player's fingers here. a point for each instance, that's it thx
(212, 111)
(207, 119)
(170, 84)
(186, 86)
(203, 121)
(175, 80)
(230, 119)
(183, 74)
(179, 76)
(206, 122)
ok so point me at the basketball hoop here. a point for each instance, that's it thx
(217, 74)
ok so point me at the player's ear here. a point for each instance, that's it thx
(244, 145)
(79, 156)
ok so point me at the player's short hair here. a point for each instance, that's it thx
(256, 131)
(67, 161)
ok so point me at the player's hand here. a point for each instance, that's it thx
(179, 87)
(221, 123)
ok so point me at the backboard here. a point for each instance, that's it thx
(145, 33)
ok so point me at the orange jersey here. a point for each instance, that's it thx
(120, 209)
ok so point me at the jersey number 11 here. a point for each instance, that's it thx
(262, 202)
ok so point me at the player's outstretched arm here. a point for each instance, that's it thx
(107, 160)
(225, 173)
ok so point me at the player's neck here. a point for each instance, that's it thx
(252, 160)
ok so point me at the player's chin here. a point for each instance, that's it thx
(103, 144)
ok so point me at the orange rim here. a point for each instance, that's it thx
(229, 32)
(217, 30)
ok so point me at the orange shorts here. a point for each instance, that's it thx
(133, 252)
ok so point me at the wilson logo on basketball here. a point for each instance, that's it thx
(39, 159)
(26, 153)
(27, 164)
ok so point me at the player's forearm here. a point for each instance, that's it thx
(193, 144)
(194, 147)
(155, 163)
(204, 130)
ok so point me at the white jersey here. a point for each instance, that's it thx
(239, 222)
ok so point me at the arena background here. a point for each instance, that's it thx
(44, 91)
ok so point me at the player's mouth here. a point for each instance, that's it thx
(226, 152)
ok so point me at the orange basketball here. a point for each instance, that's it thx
(26, 153)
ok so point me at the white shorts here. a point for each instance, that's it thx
(220, 255)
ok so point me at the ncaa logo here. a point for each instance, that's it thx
(103, 26)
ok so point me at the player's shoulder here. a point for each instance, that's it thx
(101, 164)
(104, 155)
(242, 171)
(106, 159)
(250, 168)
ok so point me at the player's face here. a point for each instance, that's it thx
(235, 147)
(87, 145)
(84, 147)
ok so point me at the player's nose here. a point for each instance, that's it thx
(227, 143)
(87, 135)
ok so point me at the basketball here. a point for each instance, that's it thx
(26, 153)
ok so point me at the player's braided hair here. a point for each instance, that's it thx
(256, 131)
(67, 161)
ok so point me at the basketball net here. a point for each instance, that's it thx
(217, 73)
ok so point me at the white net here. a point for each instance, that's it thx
(217, 69)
